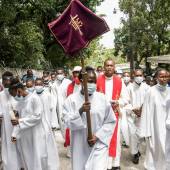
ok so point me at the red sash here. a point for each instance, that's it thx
(70, 90)
(117, 87)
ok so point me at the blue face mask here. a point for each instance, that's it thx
(91, 87)
(39, 89)
(19, 98)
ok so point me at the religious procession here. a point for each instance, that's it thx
(69, 103)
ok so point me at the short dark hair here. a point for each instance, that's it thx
(88, 69)
(158, 71)
(60, 68)
(39, 79)
(46, 72)
(53, 73)
(109, 59)
(15, 84)
(138, 70)
(29, 80)
(7, 74)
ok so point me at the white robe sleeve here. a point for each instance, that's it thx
(53, 113)
(168, 113)
(146, 116)
(1, 114)
(71, 116)
(104, 134)
(124, 96)
(33, 118)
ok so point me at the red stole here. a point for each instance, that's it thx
(117, 87)
(70, 90)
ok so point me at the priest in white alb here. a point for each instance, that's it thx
(115, 90)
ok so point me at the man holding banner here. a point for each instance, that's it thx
(89, 154)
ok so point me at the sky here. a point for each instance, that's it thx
(113, 20)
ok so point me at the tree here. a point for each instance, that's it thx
(25, 40)
(145, 31)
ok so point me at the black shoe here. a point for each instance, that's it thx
(139, 154)
(135, 159)
(116, 168)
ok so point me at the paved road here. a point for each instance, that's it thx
(126, 163)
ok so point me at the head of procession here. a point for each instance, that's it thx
(91, 80)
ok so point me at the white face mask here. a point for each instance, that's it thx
(126, 79)
(39, 89)
(60, 77)
(160, 86)
(17, 98)
(91, 87)
(30, 89)
(138, 80)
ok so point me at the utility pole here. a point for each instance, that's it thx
(130, 54)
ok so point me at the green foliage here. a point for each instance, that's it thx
(25, 40)
(146, 29)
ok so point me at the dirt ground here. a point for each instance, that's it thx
(126, 163)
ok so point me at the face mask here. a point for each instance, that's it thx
(17, 98)
(138, 80)
(6, 89)
(31, 89)
(46, 82)
(161, 87)
(60, 77)
(39, 89)
(126, 79)
(91, 87)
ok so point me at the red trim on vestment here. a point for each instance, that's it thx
(117, 87)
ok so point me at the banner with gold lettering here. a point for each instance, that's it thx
(76, 27)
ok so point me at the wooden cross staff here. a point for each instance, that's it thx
(86, 96)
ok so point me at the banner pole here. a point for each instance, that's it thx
(86, 96)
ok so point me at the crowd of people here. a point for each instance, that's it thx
(125, 110)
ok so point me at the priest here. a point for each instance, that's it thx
(115, 90)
